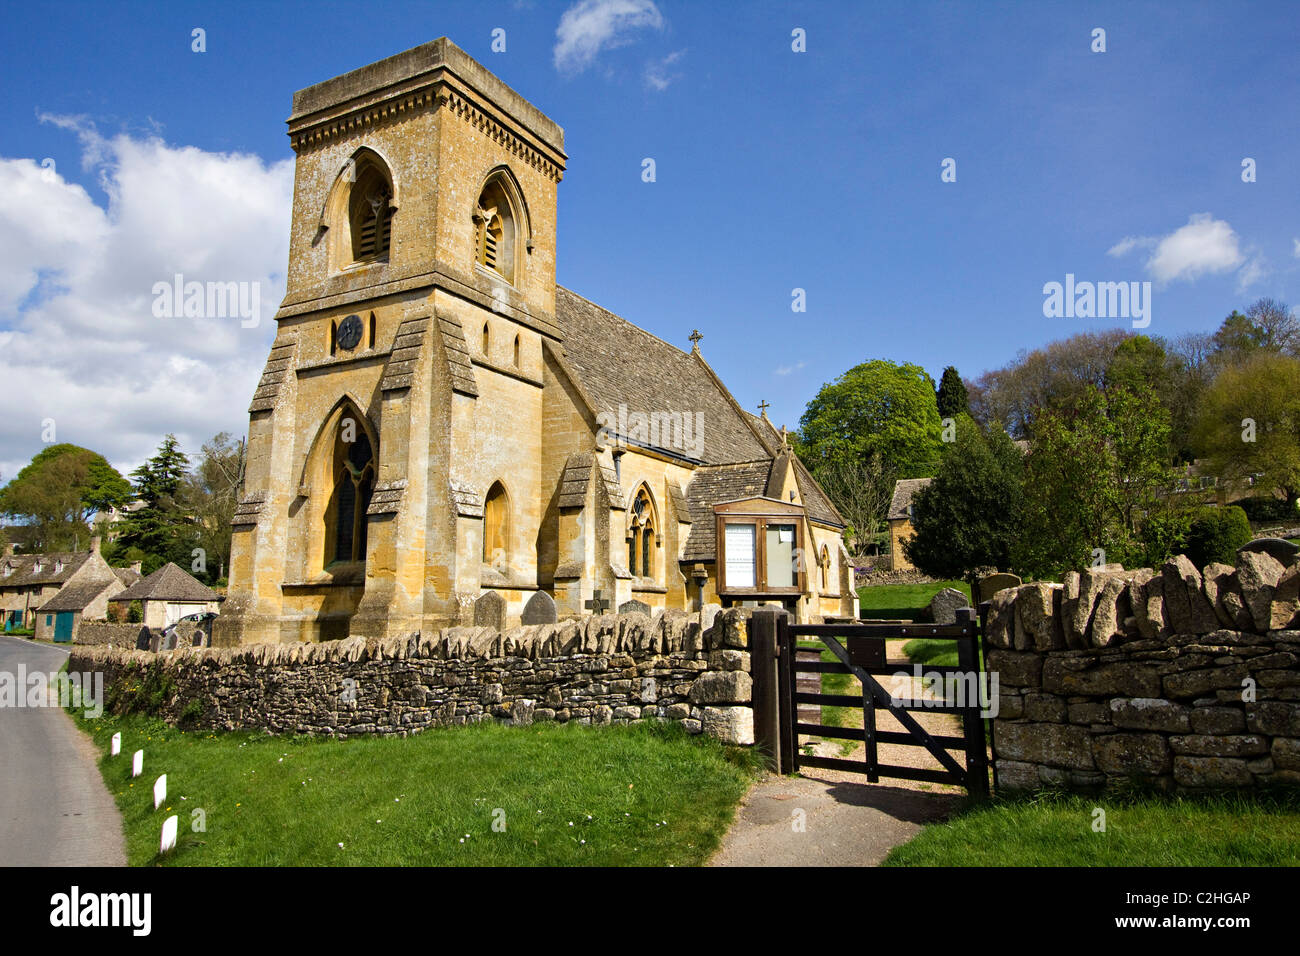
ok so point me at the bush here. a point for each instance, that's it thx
(1268, 510)
(1215, 534)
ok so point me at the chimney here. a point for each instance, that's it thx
(9, 549)
(94, 544)
(138, 567)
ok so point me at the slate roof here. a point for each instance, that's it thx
(708, 487)
(88, 582)
(168, 583)
(24, 568)
(619, 364)
(904, 489)
(128, 576)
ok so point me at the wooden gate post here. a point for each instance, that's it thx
(763, 670)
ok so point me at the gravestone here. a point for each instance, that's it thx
(1279, 549)
(991, 584)
(634, 607)
(490, 611)
(598, 602)
(142, 639)
(943, 606)
(540, 609)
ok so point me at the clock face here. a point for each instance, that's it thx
(350, 332)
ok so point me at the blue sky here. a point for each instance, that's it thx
(775, 170)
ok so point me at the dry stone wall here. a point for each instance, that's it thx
(1185, 679)
(692, 669)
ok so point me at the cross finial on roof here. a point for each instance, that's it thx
(763, 407)
(785, 439)
(695, 337)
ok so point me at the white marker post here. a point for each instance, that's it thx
(137, 763)
(168, 835)
(115, 745)
(159, 791)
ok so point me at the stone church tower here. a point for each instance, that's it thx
(437, 420)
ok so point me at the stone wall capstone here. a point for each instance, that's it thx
(1185, 679)
(596, 670)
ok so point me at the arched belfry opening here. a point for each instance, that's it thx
(359, 212)
(501, 230)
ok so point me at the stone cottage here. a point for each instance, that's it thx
(438, 419)
(168, 595)
(83, 596)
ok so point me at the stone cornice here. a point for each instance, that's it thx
(440, 89)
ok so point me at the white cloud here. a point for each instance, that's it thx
(787, 369)
(80, 342)
(1204, 245)
(590, 26)
(1297, 247)
(659, 74)
(1250, 273)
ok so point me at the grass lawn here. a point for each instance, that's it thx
(906, 601)
(1150, 830)
(641, 794)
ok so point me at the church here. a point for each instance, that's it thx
(438, 421)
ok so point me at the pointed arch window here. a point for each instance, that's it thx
(487, 339)
(496, 527)
(354, 483)
(516, 351)
(496, 230)
(826, 568)
(641, 535)
(370, 214)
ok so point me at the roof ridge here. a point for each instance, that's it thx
(626, 321)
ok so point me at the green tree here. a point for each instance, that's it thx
(212, 493)
(162, 529)
(1249, 423)
(59, 491)
(952, 398)
(878, 408)
(969, 516)
(1096, 472)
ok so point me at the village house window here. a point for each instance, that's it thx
(354, 482)
(496, 527)
(641, 535)
(759, 554)
(370, 214)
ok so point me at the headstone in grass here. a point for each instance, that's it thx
(540, 609)
(943, 606)
(137, 763)
(634, 607)
(115, 745)
(1278, 549)
(490, 611)
(991, 584)
(168, 841)
(159, 791)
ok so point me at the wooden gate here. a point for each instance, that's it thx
(859, 649)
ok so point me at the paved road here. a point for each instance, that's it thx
(54, 808)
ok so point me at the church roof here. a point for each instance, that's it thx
(618, 364)
(169, 583)
(711, 485)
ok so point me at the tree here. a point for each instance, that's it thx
(161, 530)
(1096, 472)
(212, 492)
(877, 408)
(59, 491)
(1267, 325)
(862, 491)
(969, 516)
(1250, 423)
(952, 398)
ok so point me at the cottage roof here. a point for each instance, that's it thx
(91, 579)
(54, 568)
(904, 489)
(169, 583)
